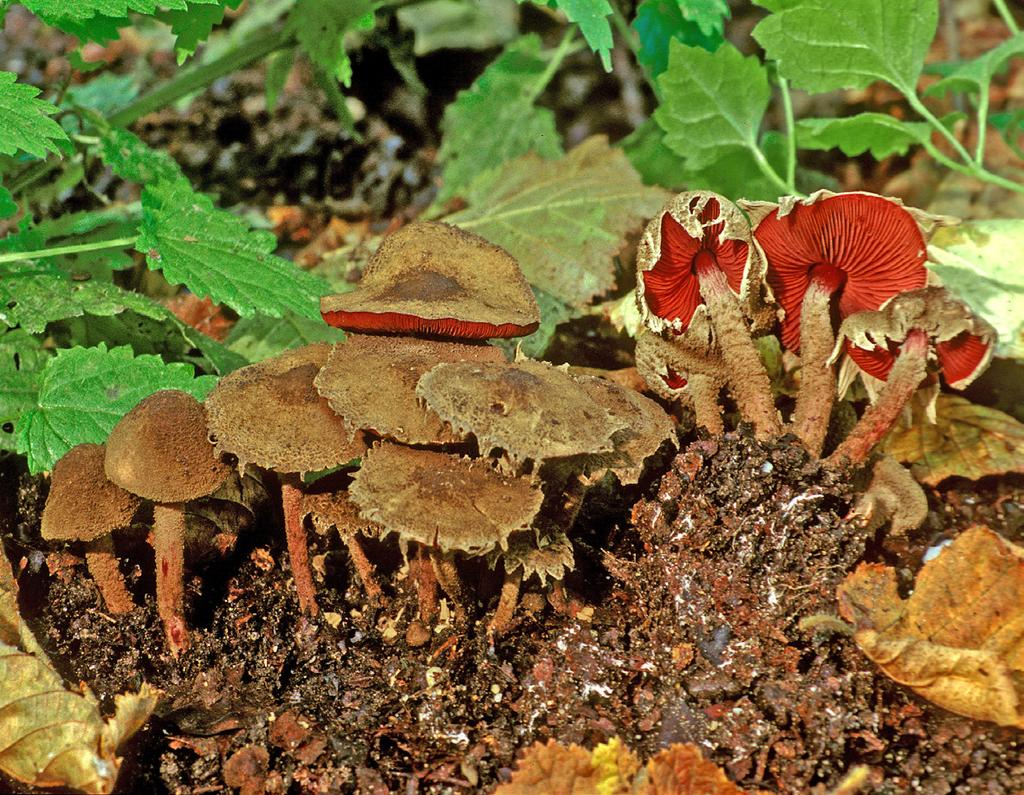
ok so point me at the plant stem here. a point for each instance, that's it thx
(1007, 17)
(979, 152)
(972, 169)
(766, 168)
(557, 57)
(922, 109)
(787, 109)
(16, 256)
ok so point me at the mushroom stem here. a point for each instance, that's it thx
(908, 372)
(501, 621)
(168, 541)
(422, 573)
(102, 565)
(365, 570)
(298, 550)
(817, 376)
(748, 380)
(704, 391)
(451, 583)
(562, 602)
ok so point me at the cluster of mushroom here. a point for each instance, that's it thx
(437, 439)
(841, 277)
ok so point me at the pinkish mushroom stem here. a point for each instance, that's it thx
(451, 583)
(704, 391)
(298, 549)
(562, 602)
(748, 380)
(102, 564)
(501, 621)
(907, 374)
(422, 573)
(817, 376)
(168, 541)
(365, 570)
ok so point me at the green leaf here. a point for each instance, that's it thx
(216, 254)
(711, 102)
(22, 359)
(259, 337)
(83, 392)
(495, 119)
(194, 24)
(974, 76)
(105, 93)
(321, 25)
(659, 22)
(820, 49)
(708, 15)
(735, 173)
(460, 24)
(279, 66)
(564, 220)
(552, 313)
(131, 159)
(655, 162)
(99, 29)
(966, 440)
(592, 18)
(86, 9)
(24, 120)
(8, 206)
(878, 133)
(981, 262)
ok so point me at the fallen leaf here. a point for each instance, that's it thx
(966, 440)
(958, 641)
(554, 769)
(681, 769)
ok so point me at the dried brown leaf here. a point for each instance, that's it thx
(681, 769)
(553, 769)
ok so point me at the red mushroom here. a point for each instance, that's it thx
(843, 253)
(698, 257)
(898, 342)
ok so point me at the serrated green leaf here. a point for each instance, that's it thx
(495, 119)
(592, 17)
(975, 75)
(194, 24)
(25, 122)
(711, 102)
(552, 313)
(655, 162)
(565, 219)
(983, 263)
(99, 29)
(708, 15)
(460, 24)
(257, 338)
(217, 255)
(821, 50)
(321, 25)
(86, 9)
(22, 359)
(659, 22)
(279, 66)
(131, 159)
(735, 173)
(83, 392)
(105, 93)
(878, 133)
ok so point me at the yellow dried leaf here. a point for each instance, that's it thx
(958, 641)
(552, 769)
(615, 765)
(966, 440)
(51, 736)
(681, 769)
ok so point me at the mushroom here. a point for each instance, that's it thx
(527, 556)
(835, 252)
(335, 509)
(84, 506)
(269, 414)
(433, 278)
(160, 451)
(371, 382)
(897, 342)
(892, 496)
(443, 504)
(697, 256)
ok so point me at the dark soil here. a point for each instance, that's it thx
(688, 632)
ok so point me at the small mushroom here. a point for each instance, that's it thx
(433, 278)
(900, 340)
(835, 252)
(697, 256)
(269, 414)
(84, 506)
(527, 556)
(892, 496)
(443, 504)
(160, 451)
(371, 382)
(336, 509)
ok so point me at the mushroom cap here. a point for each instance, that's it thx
(371, 382)
(83, 505)
(270, 414)
(548, 558)
(694, 228)
(876, 244)
(161, 450)
(666, 365)
(433, 278)
(441, 500)
(530, 409)
(336, 509)
(962, 343)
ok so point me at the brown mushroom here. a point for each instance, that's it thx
(371, 382)
(335, 509)
(84, 506)
(443, 504)
(527, 556)
(433, 278)
(160, 451)
(269, 414)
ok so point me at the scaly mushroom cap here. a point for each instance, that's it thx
(433, 278)
(694, 230)
(161, 450)
(83, 505)
(549, 558)
(667, 365)
(371, 382)
(963, 343)
(270, 414)
(866, 247)
(336, 509)
(440, 500)
(530, 409)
